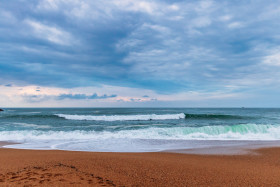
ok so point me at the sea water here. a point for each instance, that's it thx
(137, 129)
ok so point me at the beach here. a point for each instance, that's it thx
(64, 168)
(140, 93)
(139, 147)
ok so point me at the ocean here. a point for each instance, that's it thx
(137, 129)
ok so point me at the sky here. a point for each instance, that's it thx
(139, 53)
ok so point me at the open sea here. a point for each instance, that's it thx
(136, 129)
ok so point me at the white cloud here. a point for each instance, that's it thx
(7, 17)
(74, 8)
(235, 25)
(225, 18)
(269, 12)
(175, 18)
(204, 6)
(136, 6)
(50, 33)
(34, 96)
(174, 7)
(48, 5)
(159, 28)
(273, 59)
(110, 9)
(201, 22)
(128, 43)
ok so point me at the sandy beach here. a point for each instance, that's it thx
(64, 168)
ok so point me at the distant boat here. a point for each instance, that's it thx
(1, 110)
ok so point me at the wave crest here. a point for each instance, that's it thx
(123, 117)
(235, 132)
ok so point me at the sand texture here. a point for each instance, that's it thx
(68, 168)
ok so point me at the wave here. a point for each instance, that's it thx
(235, 132)
(148, 117)
(145, 117)
(28, 116)
(212, 116)
(123, 117)
(31, 125)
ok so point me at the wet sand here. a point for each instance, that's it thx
(65, 168)
(5, 143)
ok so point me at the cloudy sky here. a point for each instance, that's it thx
(139, 53)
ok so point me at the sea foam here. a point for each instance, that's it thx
(141, 140)
(235, 132)
(123, 117)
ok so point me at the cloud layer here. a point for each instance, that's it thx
(163, 47)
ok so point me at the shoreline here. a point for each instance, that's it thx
(4, 143)
(231, 148)
(64, 168)
(210, 147)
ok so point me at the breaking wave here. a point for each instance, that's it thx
(123, 117)
(147, 117)
(235, 132)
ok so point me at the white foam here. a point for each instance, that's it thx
(123, 117)
(237, 132)
(32, 125)
(137, 140)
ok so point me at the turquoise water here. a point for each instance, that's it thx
(135, 129)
